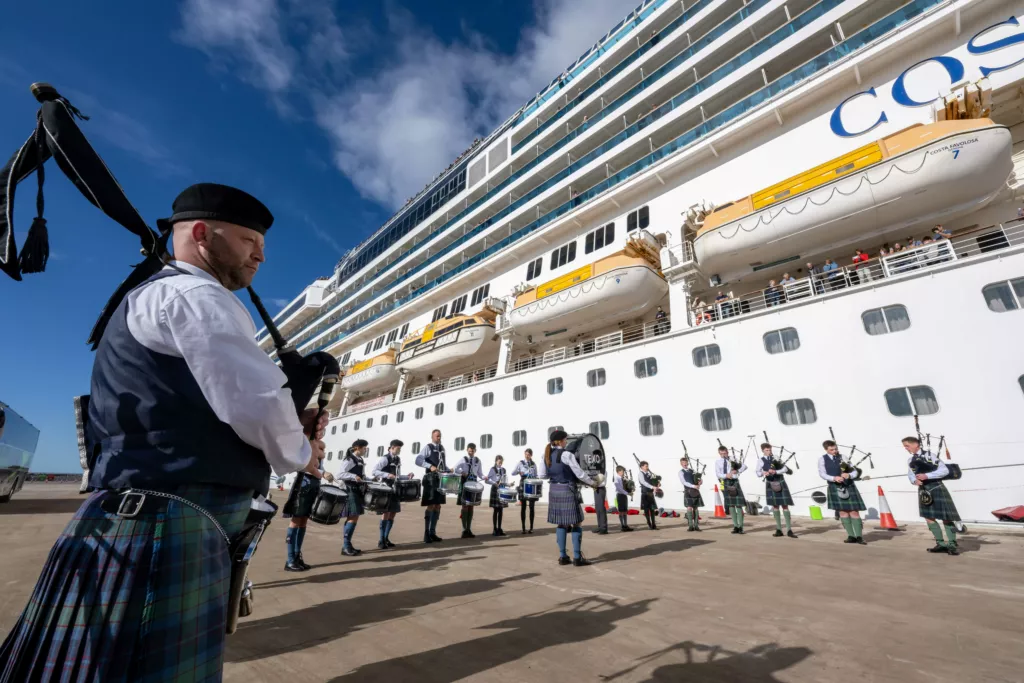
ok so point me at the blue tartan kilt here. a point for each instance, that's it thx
(942, 507)
(773, 499)
(853, 503)
(564, 508)
(302, 497)
(141, 599)
(736, 499)
(432, 493)
(354, 501)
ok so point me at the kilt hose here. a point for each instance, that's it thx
(852, 504)
(131, 599)
(942, 507)
(563, 506)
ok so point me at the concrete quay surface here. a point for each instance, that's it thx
(656, 606)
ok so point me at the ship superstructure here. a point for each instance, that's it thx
(700, 231)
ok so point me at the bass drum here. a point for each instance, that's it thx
(589, 453)
(329, 505)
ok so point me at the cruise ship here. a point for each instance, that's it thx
(728, 220)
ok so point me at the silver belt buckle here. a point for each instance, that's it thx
(131, 504)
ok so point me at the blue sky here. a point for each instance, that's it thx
(333, 113)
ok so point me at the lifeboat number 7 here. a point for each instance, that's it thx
(956, 153)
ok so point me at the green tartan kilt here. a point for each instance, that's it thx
(773, 499)
(851, 504)
(733, 500)
(942, 507)
(693, 501)
(354, 501)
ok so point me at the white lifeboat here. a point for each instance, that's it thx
(452, 345)
(617, 287)
(914, 177)
(372, 374)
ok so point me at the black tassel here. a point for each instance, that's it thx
(36, 251)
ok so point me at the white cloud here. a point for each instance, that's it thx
(391, 130)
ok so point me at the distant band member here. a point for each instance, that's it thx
(692, 500)
(471, 470)
(388, 468)
(648, 503)
(775, 480)
(496, 478)
(600, 501)
(622, 498)
(526, 469)
(732, 492)
(564, 509)
(296, 510)
(431, 458)
(843, 495)
(352, 473)
(926, 471)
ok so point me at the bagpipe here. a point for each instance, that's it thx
(654, 479)
(698, 475)
(627, 479)
(778, 464)
(56, 135)
(847, 466)
(924, 465)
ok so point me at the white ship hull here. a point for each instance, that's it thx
(619, 294)
(374, 378)
(464, 349)
(914, 189)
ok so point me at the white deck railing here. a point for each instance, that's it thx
(451, 382)
(626, 335)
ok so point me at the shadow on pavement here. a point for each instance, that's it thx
(650, 550)
(713, 664)
(366, 572)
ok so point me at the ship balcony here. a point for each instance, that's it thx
(450, 382)
(678, 261)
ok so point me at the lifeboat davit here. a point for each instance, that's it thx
(914, 177)
(450, 346)
(372, 374)
(617, 287)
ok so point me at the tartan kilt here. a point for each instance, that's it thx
(495, 502)
(354, 500)
(736, 500)
(853, 503)
(432, 493)
(394, 505)
(773, 499)
(647, 501)
(302, 497)
(942, 507)
(563, 506)
(141, 599)
(691, 501)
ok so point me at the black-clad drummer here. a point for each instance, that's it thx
(388, 469)
(471, 470)
(297, 509)
(526, 469)
(497, 477)
(352, 473)
(564, 509)
(431, 458)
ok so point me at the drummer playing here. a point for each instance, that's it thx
(297, 510)
(388, 468)
(471, 470)
(352, 474)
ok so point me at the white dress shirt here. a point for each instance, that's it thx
(494, 476)
(378, 471)
(620, 488)
(526, 470)
(937, 474)
(645, 481)
(347, 463)
(569, 461)
(723, 469)
(824, 475)
(682, 480)
(193, 317)
(465, 468)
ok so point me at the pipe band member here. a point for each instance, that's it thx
(776, 490)
(352, 473)
(209, 418)
(297, 510)
(526, 469)
(388, 468)
(496, 477)
(431, 458)
(732, 492)
(564, 509)
(471, 470)
(843, 495)
(691, 495)
(621, 498)
(926, 470)
(648, 504)
(600, 503)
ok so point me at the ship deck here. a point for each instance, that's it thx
(656, 606)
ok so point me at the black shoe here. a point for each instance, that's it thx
(294, 567)
(350, 552)
(501, 532)
(434, 538)
(467, 534)
(523, 532)
(530, 531)
(778, 533)
(601, 532)
(735, 529)
(494, 533)
(697, 528)
(382, 546)
(938, 549)
(791, 534)
(629, 528)
(427, 539)
(388, 543)
(564, 560)
(582, 562)
(301, 562)
(952, 550)
(850, 539)
(471, 534)
(860, 541)
(739, 530)
(689, 528)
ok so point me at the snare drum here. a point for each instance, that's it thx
(329, 505)
(376, 497)
(451, 483)
(408, 490)
(472, 493)
(507, 495)
(533, 489)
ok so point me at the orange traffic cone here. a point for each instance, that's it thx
(887, 520)
(719, 505)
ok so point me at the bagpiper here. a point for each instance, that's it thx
(843, 495)
(692, 500)
(925, 471)
(732, 493)
(776, 490)
(622, 498)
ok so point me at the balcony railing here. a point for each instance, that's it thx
(627, 335)
(451, 382)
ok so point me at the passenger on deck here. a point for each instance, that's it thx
(832, 272)
(725, 310)
(940, 233)
(861, 271)
(661, 324)
(773, 294)
(815, 274)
